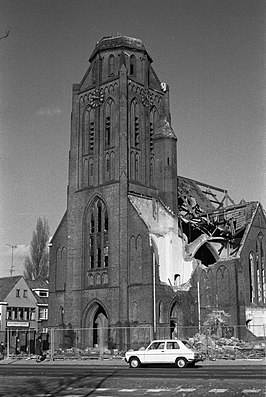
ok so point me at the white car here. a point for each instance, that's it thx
(170, 351)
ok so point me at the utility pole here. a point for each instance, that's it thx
(12, 246)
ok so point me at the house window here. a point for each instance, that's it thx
(9, 313)
(18, 293)
(32, 314)
(25, 293)
(43, 294)
(43, 313)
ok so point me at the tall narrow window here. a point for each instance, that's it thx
(137, 167)
(135, 124)
(99, 211)
(153, 122)
(252, 290)
(98, 235)
(111, 65)
(132, 65)
(91, 136)
(260, 271)
(88, 131)
(108, 120)
(107, 131)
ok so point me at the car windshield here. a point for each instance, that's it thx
(156, 345)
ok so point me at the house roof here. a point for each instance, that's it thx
(118, 42)
(7, 284)
(37, 284)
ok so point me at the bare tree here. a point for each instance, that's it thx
(37, 264)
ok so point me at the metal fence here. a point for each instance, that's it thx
(228, 342)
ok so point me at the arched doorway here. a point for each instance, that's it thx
(95, 326)
(100, 328)
(176, 321)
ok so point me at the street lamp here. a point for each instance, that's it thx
(12, 246)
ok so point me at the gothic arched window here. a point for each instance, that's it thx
(252, 282)
(153, 122)
(260, 268)
(132, 65)
(134, 311)
(135, 124)
(88, 131)
(111, 65)
(161, 316)
(97, 229)
(109, 121)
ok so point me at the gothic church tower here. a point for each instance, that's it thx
(121, 143)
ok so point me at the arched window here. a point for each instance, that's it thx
(137, 167)
(90, 172)
(109, 121)
(90, 280)
(111, 65)
(105, 278)
(132, 65)
(134, 311)
(88, 131)
(107, 167)
(252, 283)
(153, 122)
(160, 316)
(98, 279)
(97, 229)
(260, 268)
(152, 172)
(135, 124)
(85, 172)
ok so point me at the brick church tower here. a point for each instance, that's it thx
(101, 260)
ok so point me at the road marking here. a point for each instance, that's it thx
(127, 390)
(102, 389)
(185, 390)
(153, 390)
(218, 390)
(251, 391)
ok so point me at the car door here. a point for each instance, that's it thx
(155, 353)
(172, 351)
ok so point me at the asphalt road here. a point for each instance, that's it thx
(79, 380)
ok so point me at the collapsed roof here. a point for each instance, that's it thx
(208, 210)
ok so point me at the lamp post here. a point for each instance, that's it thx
(199, 313)
(12, 246)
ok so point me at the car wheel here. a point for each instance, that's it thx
(134, 362)
(181, 362)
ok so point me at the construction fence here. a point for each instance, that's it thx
(227, 342)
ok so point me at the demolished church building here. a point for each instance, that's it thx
(139, 245)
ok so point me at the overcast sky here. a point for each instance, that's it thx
(210, 52)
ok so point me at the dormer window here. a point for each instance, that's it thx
(43, 294)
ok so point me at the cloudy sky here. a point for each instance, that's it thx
(210, 52)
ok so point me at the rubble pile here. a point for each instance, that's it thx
(88, 353)
(214, 347)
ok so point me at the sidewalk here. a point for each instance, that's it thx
(121, 362)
